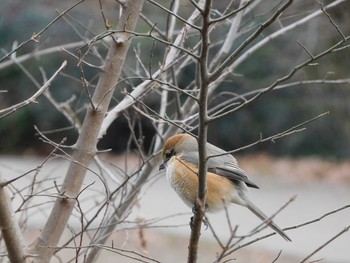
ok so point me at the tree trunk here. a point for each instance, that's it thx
(86, 144)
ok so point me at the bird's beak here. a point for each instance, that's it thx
(161, 166)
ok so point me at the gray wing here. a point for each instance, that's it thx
(224, 165)
(233, 174)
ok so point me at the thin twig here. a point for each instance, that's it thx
(36, 36)
(227, 71)
(331, 20)
(203, 82)
(273, 138)
(319, 218)
(326, 243)
(36, 95)
(277, 257)
(243, 6)
(248, 40)
(10, 229)
(174, 14)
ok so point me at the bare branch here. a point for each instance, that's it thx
(174, 14)
(307, 51)
(296, 128)
(10, 229)
(39, 53)
(237, 61)
(85, 147)
(231, 35)
(280, 80)
(36, 95)
(230, 247)
(326, 244)
(203, 83)
(146, 85)
(243, 5)
(128, 254)
(248, 40)
(331, 20)
(177, 94)
(3, 184)
(36, 36)
(319, 218)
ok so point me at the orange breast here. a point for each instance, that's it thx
(183, 177)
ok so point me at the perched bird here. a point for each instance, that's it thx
(226, 182)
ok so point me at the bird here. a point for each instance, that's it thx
(226, 181)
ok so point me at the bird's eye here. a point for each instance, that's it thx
(168, 154)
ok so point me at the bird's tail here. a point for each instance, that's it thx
(266, 219)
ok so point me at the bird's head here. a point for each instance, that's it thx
(176, 146)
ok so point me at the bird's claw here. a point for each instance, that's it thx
(205, 222)
(195, 209)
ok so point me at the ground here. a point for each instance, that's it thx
(319, 186)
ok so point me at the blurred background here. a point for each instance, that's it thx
(313, 164)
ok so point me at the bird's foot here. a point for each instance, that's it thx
(205, 222)
(195, 209)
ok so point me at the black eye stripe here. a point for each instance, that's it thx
(168, 155)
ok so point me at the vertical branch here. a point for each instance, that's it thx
(203, 84)
(231, 36)
(164, 96)
(86, 144)
(10, 229)
(144, 174)
(233, 56)
(171, 55)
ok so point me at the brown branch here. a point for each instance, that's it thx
(36, 36)
(331, 20)
(293, 227)
(105, 19)
(277, 257)
(127, 253)
(10, 229)
(326, 243)
(174, 14)
(40, 166)
(280, 80)
(40, 53)
(216, 74)
(86, 144)
(273, 138)
(85, 84)
(243, 6)
(36, 95)
(171, 56)
(230, 247)
(319, 218)
(203, 83)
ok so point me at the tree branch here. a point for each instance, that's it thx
(36, 36)
(203, 85)
(239, 60)
(146, 85)
(281, 80)
(325, 244)
(10, 229)
(248, 40)
(86, 144)
(33, 98)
